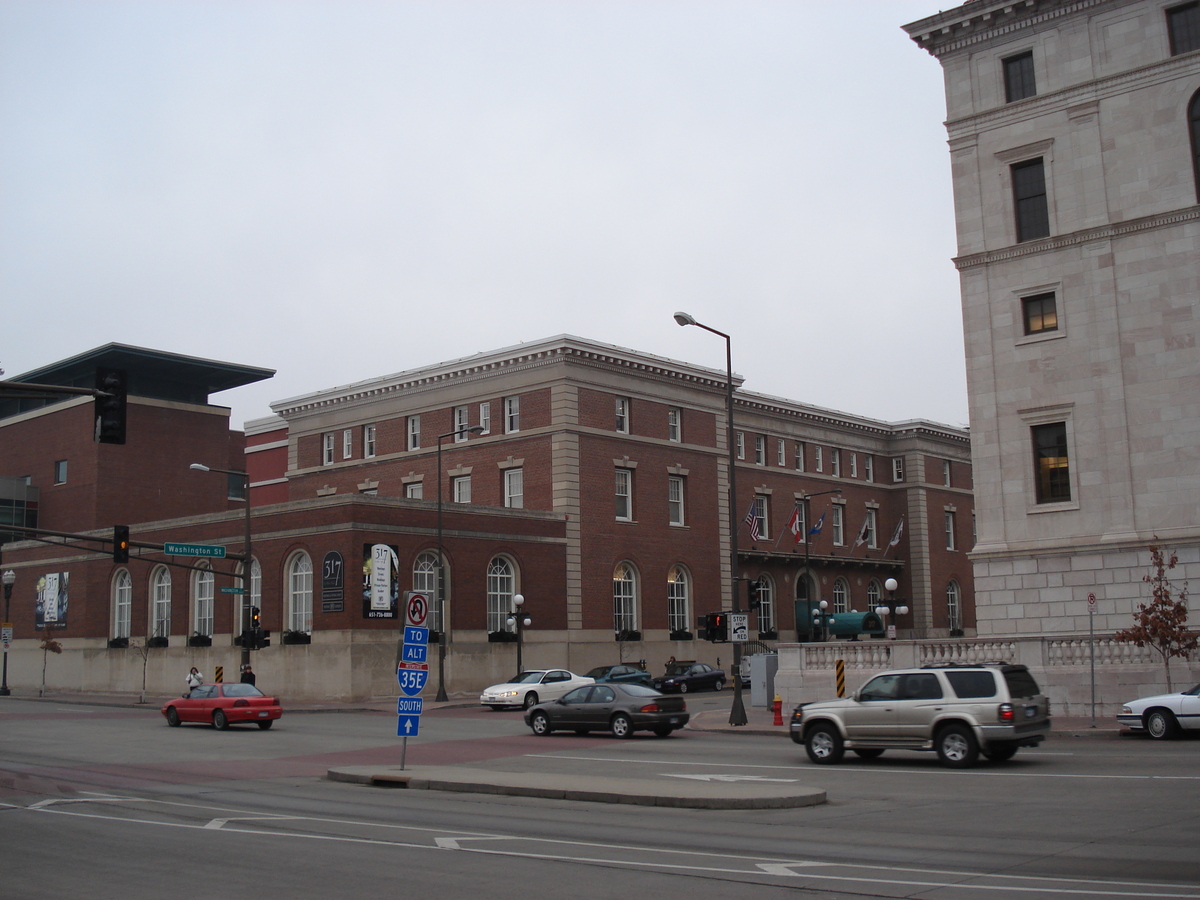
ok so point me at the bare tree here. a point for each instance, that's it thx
(49, 645)
(142, 650)
(1161, 624)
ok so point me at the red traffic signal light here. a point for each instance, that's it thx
(716, 627)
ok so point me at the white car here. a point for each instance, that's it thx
(1164, 714)
(532, 687)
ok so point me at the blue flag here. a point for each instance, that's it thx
(816, 529)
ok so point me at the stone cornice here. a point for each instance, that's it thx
(1075, 238)
(980, 21)
(845, 421)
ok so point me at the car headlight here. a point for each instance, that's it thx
(1126, 711)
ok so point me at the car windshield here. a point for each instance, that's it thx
(242, 690)
(533, 677)
(1194, 692)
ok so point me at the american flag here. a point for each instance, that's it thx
(752, 520)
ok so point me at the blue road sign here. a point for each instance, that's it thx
(412, 681)
(408, 726)
(415, 653)
(414, 635)
(409, 706)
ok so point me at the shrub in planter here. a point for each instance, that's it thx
(297, 637)
(502, 637)
(118, 643)
(200, 640)
(629, 635)
(768, 635)
(682, 636)
(158, 642)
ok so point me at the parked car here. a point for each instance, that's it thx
(222, 705)
(1163, 716)
(531, 687)
(957, 711)
(682, 677)
(623, 673)
(616, 707)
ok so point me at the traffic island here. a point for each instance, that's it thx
(688, 792)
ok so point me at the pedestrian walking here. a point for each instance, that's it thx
(194, 680)
(247, 674)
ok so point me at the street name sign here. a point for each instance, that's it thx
(233, 590)
(194, 550)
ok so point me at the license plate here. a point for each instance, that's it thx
(263, 714)
(674, 720)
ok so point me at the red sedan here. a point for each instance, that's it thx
(222, 705)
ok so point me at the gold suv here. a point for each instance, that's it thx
(958, 711)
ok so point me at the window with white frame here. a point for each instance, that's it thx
(678, 594)
(299, 593)
(425, 581)
(946, 472)
(760, 449)
(949, 530)
(874, 595)
(818, 462)
(512, 414)
(160, 602)
(624, 494)
(485, 418)
(741, 445)
(674, 423)
(1052, 464)
(841, 596)
(802, 520)
(348, 443)
(953, 607)
(60, 471)
(869, 468)
(414, 432)
(870, 534)
(462, 421)
(675, 499)
(202, 602)
(898, 469)
(122, 603)
(780, 452)
(327, 443)
(837, 516)
(368, 441)
(622, 404)
(514, 488)
(799, 456)
(835, 463)
(853, 465)
(624, 598)
(760, 515)
(462, 489)
(501, 586)
(414, 490)
(766, 604)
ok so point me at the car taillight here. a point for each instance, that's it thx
(1006, 713)
(683, 706)
(242, 702)
(650, 707)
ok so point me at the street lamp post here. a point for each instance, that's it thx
(737, 712)
(441, 565)
(821, 620)
(890, 586)
(807, 540)
(520, 623)
(9, 578)
(246, 559)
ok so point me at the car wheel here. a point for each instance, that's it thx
(683, 687)
(172, 717)
(1000, 753)
(621, 726)
(720, 685)
(531, 700)
(265, 724)
(956, 747)
(1161, 724)
(219, 721)
(824, 744)
(663, 731)
(540, 723)
(869, 752)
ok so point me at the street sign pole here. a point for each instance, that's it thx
(1092, 646)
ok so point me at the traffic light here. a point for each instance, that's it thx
(109, 408)
(120, 543)
(756, 592)
(255, 619)
(716, 627)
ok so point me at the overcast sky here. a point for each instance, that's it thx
(341, 190)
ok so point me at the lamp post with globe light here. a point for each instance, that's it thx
(520, 623)
(890, 607)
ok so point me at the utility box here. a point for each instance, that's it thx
(763, 667)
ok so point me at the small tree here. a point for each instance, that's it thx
(49, 645)
(142, 650)
(1161, 624)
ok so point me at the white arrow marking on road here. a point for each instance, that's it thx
(724, 777)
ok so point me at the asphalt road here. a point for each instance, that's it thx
(99, 802)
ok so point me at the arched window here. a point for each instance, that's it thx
(766, 603)
(501, 586)
(160, 602)
(299, 593)
(202, 602)
(874, 595)
(122, 603)
(678, 598)
(953, 606)
(425, 570)
(1194, 128)
(624, 598)
(841, 596)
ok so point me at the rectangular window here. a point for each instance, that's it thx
(741, 445)
(368, 441)
(624, 495)
(512, 414)
(818, 459)
(946, 472)
(414, 432)
(760, 449)
(514, 488)
(462, 421)
(1040, 313)
(462, 489)
(485, 418)
(1029, 199)
(60, 471)
(868, 468)
(1018, 77)
(622, 415)
(799, 456)
(898, 469)
(780, 452)
(760, 513)
(1183, 25)
(1051, 467)
(674, 423)
(837, 517)
(414, 490)
(870, 535)
(327, 442)
(348, 443)
(853, 465)
(835, 463)
(949, 530)
(675, 499)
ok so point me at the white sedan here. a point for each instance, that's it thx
(1164, 714)
(532, 687)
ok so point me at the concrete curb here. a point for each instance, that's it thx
(633, 791)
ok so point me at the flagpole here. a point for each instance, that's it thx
(808, 600)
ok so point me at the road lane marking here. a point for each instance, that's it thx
(728, 777)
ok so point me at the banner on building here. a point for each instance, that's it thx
(50, 607)
(381, 581)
